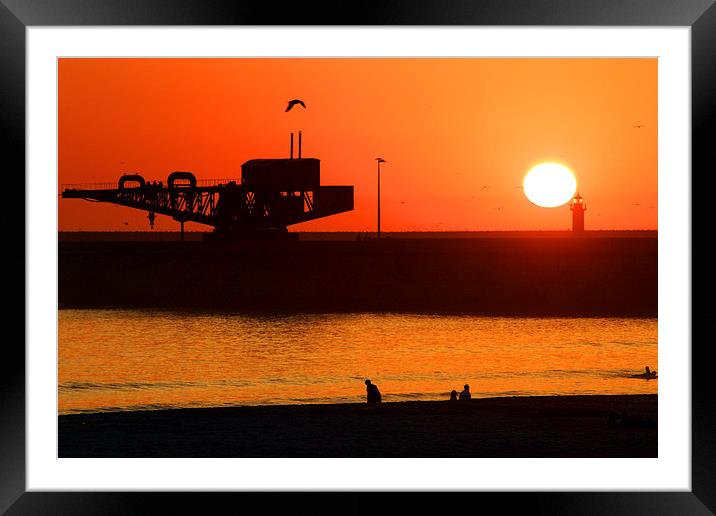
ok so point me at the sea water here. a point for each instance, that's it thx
(137, 359)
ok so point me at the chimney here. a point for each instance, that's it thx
(291, 145)
(299, 144)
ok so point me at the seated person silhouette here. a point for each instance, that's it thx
(373, 392)
(453, 395)
(465, 394)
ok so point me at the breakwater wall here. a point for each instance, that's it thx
(502, 276)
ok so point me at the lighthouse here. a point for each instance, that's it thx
(578, 208)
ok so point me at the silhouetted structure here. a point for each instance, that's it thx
(578, 208)
(300, 138)
(372, 392)
(379, 160)
(273, 194)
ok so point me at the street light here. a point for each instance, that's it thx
(379, 160)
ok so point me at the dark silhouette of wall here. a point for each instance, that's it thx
(506, 276)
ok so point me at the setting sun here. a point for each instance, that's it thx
(549, 185)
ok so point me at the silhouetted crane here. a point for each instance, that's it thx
(272, 194)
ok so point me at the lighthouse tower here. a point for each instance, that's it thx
(578, 208)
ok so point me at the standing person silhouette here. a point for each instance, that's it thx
(373, 392)
(465, 394)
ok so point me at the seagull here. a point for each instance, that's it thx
(483, 187)
(293, 102)
(638, 126)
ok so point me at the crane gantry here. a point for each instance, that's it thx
(272, 194)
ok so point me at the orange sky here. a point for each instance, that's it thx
(447, 128)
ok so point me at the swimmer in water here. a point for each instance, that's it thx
(648, 374)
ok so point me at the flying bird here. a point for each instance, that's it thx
(638, 126)
(293, 102)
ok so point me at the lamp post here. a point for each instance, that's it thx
(379, 160)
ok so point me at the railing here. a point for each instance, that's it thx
(216, 182)
(90, 186)
(115, 185)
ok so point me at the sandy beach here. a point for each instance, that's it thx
(545, 426)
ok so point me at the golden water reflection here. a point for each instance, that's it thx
(130, 359)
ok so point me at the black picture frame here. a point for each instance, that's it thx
(17, 15)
